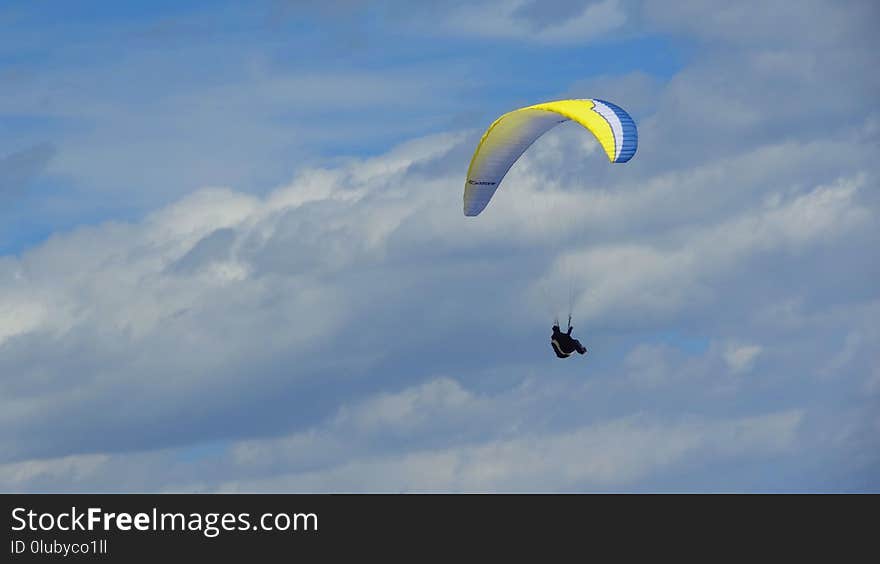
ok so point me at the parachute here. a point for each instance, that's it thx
(511, 134)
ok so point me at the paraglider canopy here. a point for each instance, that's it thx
(511, 134)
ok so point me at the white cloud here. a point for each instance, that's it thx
(621, 279)
(522, 20)
(741, 357)
(812, 23)
(19, 317)
(614, 454)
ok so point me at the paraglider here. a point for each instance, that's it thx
(563, 343)
(511, 134)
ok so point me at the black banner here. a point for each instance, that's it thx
(250, 527)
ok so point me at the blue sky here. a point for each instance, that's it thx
(266, 89)
(232, 254)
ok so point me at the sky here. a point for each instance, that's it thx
(233, 256)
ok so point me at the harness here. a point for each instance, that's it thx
(558, 348)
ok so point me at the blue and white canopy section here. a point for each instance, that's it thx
(626, 136)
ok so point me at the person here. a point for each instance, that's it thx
(563, 343)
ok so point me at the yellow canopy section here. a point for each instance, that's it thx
(511, 134)
(582, 112)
